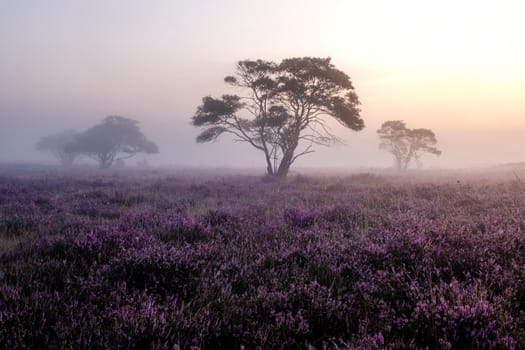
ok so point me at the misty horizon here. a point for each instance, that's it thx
(76, 64)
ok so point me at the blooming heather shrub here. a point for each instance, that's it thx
(200, 190)
(217, 218)
(94, 208)
(270, 179)
(344, 217)
(126, 199)
(221, 223)
(153, 267)
(301, 218)
(17, 218)
(154, 261)
(462, 316)
(175, 226)
(15, 226)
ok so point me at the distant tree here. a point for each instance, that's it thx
(57, 145)
(422, 141)
(406, 144)
(115, 138)
(283, 105)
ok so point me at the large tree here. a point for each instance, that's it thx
(115, 138)
(406, 144)
(57, 145)
(282, 107)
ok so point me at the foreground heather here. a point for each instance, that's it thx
(159, 261)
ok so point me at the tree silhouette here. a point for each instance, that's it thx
(406, 144)
(284, 105)
(115, 138)
(57, 145)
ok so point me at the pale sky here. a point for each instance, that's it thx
(456, 67)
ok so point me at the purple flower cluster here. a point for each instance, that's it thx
(153, 261)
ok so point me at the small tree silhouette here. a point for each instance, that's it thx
(57, 145)
(406, 144)
(115, 138)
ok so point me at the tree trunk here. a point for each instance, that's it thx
(283, 170)
(285, 164)
(105, 161)
(399, 163)
(269, 167)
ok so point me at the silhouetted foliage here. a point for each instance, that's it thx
(57, 145)
(114, 139)
(406, 144)
(288, 103)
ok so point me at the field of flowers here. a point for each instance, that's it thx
(157, 260)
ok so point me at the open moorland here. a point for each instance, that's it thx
(160, 260)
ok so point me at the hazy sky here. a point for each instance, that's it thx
(456, 67)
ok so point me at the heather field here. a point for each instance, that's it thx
(162, 260)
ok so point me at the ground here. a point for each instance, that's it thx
(162, 259)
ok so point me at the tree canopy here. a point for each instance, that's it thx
(57, 145)
(115, 138)
(406, 144)
(283, 106)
